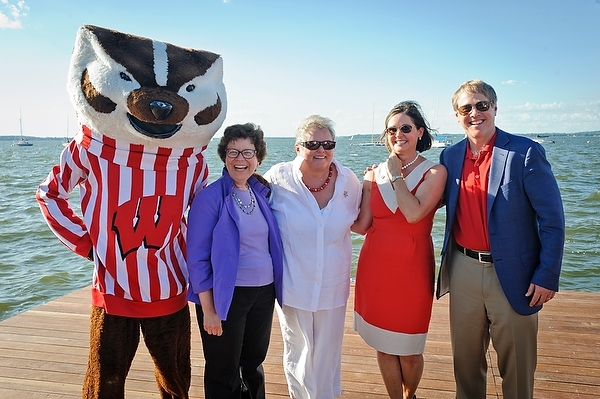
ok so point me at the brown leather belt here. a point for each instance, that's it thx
(483, 257)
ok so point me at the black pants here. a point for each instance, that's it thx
(240, 351)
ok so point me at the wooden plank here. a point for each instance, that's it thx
(43, 354)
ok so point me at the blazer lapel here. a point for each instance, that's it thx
(499, 157)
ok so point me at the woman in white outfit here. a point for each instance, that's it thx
(315, 201)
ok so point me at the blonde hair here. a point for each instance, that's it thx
(475, 86)
(313, 121)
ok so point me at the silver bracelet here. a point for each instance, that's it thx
(394, 178)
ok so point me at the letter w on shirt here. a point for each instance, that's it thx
(147, 221)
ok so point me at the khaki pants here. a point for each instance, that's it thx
(479, 311)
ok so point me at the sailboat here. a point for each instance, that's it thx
(440, 141)
(67, 138)
(22, 142)
(373, 142)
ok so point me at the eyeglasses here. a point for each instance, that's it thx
(404, 129)
(314, 144)
(480, 106)
(233, 153)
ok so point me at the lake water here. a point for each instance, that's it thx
(36, 268)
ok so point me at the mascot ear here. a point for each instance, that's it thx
(144, 91)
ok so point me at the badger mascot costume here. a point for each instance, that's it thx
(147, 110)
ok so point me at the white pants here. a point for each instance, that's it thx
(312, 351)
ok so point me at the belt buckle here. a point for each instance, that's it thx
(480, 255)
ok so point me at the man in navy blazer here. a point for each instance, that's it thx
(503, 246)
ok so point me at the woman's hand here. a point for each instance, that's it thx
(212, 324)
(370, 168)
(394, 165)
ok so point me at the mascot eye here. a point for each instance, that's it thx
(125, 77)
(190, 88)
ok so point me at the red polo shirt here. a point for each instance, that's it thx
(471, 227)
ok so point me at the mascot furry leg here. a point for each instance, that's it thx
(113, 344)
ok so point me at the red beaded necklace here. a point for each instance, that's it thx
(316, 190)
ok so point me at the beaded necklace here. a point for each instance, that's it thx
(247, 209)
(410, 163)
(316, 190)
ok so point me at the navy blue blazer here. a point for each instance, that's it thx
(526, 223)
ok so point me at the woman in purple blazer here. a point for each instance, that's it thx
(503, 246)
(235, 264)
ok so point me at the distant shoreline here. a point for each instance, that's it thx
(593, 132)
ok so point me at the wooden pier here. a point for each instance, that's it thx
(43, 354)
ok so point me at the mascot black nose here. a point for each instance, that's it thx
(160, 109)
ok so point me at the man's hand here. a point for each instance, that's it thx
(539, 295)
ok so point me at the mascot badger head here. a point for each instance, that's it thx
(146, 92)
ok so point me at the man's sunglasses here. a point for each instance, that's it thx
(404, 129)
(314, 144)
(480, 106)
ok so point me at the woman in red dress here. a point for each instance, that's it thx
(396, 266)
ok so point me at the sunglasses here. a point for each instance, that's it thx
(480, 106)
(233, 153)
(314, 144)
(404, 129)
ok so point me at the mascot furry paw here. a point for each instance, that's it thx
(147, 110)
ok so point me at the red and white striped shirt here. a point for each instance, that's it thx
(133, 200)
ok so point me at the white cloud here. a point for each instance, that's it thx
(13, 14)
(555, 117)
(512, 82)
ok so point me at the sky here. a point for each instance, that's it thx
(351, 61)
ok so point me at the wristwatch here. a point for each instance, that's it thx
(394, 178)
